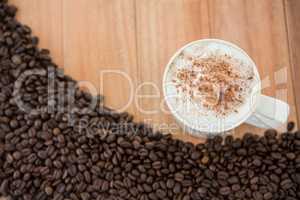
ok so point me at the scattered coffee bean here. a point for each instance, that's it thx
(290, 126)
(49, 190)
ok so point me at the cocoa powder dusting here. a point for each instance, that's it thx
(216, 82)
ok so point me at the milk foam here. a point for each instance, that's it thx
(193, 114)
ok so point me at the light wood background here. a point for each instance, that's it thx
(138, 37)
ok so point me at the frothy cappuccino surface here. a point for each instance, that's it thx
(211, 85)
(215, 81)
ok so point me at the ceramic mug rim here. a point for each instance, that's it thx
(181, 118)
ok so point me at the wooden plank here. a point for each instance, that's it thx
(100, 35)
(45, 19)
(292, 8)
(139, 37)
(163, 27)
(260, 29)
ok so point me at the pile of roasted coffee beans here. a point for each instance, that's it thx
(58, 142)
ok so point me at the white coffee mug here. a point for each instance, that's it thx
(258, 110)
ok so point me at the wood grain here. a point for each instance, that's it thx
(292, 8)
(163, 27)
(259, 28)
(100, 36)
(137, 38)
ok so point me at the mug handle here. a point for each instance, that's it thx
(269, 113)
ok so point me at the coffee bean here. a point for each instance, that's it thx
(105, 186)
(9, 158)
(177, 188)
(268, 196)
(233, 180)
(179, 177)
(186, 197)
(290, 126)
(257, 162)
(153, 156)
(257, 196)
(161, 193)
(205, 160)
(286, 184)
(254, 180)
(156, 165)
(16, 59)
(195, 155)
(291, 156)
(49, 190)
(170, 183)
(42, 154)
(202, 191)
(87, 176)
(276, 155)
(143, 152)
(17, 155)
(56, 131)
(14, 124)
(85, 196)
(4, 187)
(225, 191)
(222, 175)
(235, 187)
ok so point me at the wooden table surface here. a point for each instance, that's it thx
(138, 37)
